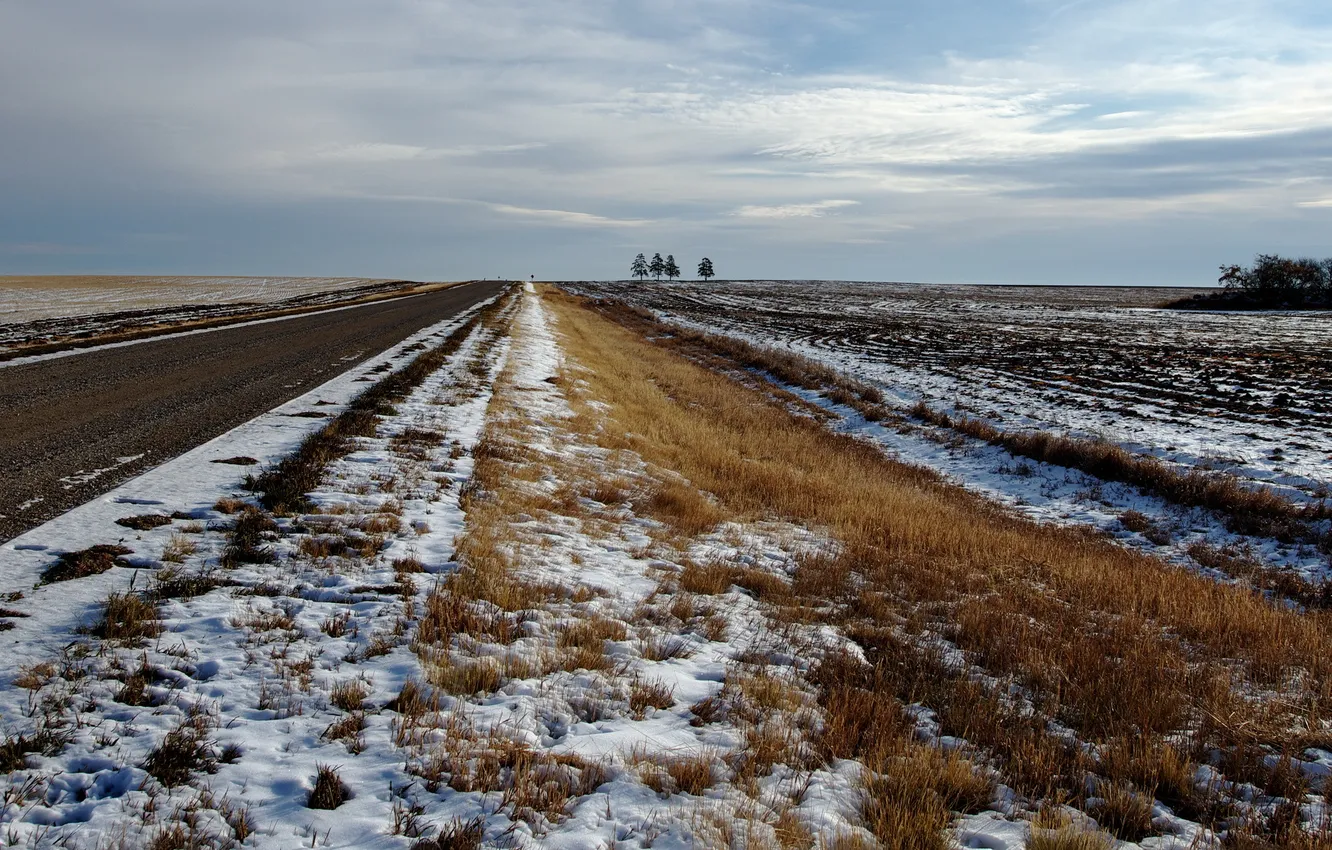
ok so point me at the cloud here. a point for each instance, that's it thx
(596, 120)
(814, 210)
(370, 152)
(566, 217)
(1317, 204)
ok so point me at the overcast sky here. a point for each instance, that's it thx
(1141, 141)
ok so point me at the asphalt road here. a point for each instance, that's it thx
(63, 419)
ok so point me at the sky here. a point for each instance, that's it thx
(952, 141)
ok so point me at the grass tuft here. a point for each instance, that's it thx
(184, 752)
(144, 522)
(127, 618)
(86, 562)
(329, 790)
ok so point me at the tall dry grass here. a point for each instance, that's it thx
(1111, 643)
(1247, 510)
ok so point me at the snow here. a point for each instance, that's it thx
(254, 663)
(26, 299)
(198, 662)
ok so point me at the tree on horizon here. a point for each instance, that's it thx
(658, 266)
(639, 269)
(705, 271)
(672, 270)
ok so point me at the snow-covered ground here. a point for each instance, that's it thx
(618, 703)
(262, 673)
(217, 661)
(24, 299)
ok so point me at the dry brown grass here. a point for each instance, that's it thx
(682, 507)
(537, 788)
(283, 488)
(127, 618)
(1068, 838)
(1109, 642)
(349, 695)
(184, 752)
(144, 522)
(178, 548)
(592, 633)
(686, 773)
(86, 562)
(1248, 510)
(329, 790)
(468, 677)
(645, 694)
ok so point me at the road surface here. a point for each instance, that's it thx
(64, 419)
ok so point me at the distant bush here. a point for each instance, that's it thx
(1271, 281)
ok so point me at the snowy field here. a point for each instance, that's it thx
(26, 299)
(477, 631)
(1248, 395)
(268, 669)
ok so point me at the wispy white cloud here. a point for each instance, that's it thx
(567, 217)
(813, 210)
